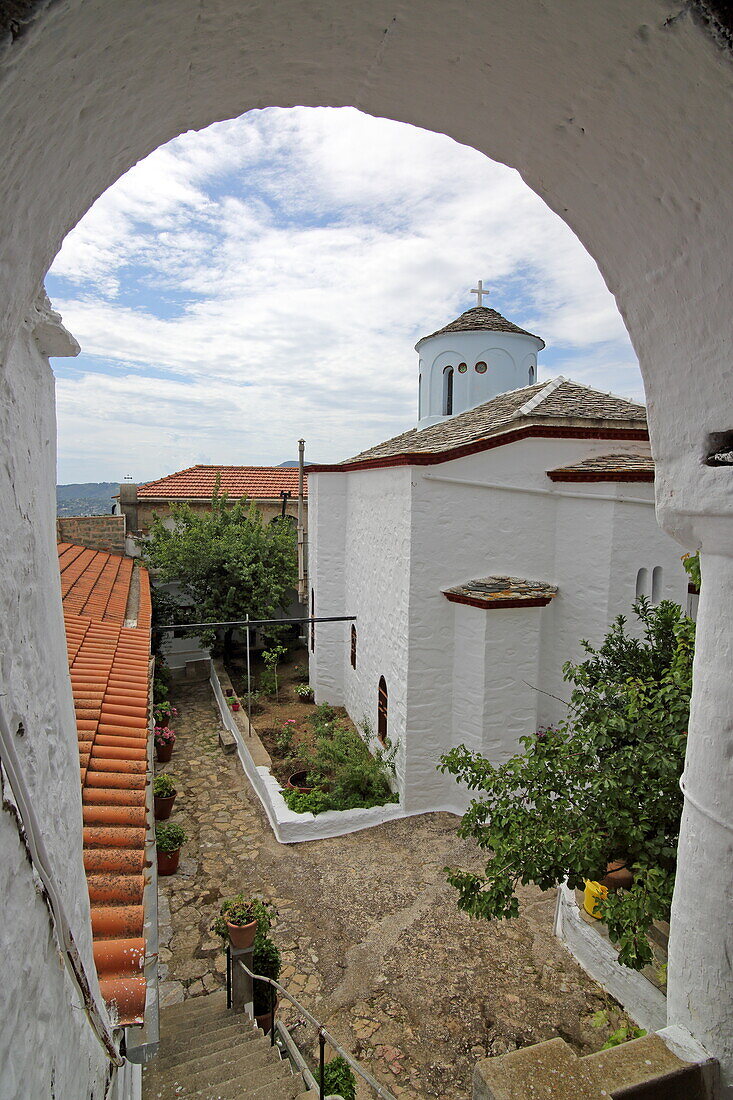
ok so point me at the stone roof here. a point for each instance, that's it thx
(478, 318)
(199, 482)
(619, 467)
(497, 592)
(559, 403)
(109, 666)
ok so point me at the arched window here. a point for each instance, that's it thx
(448, 391)
(382, 712)
(353, 646)
(419, 397)
(531, 375)
(313, 625)
(642, 583)
(657, 577)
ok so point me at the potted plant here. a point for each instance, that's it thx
(164, 795)
(168, 840)
(267, 962)
(241, 918)
(338, 1079)
(234, 703)
(165, 739)
(229, 692)
(305, 693)
(299, 782)
(163, 712)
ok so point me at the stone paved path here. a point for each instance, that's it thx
(372, 941)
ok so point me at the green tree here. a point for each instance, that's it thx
(227, 562)
(603, 785)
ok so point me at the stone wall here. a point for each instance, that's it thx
(96, 532)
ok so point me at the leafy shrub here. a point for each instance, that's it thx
(621, 1035)
(304, 692)
(323, 715)
(300, 674)
(169, 837)
(691, 563)
(338, 1079)
(266, 960)
(343, 772)
(603, 785)
(251, 702)
(268, 682)
(284, 738)
(163, 786)
(242, 910)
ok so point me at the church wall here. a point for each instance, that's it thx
(47, 1047)
(377, 591)
(326, 576)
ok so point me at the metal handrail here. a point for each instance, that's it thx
(324, 1036)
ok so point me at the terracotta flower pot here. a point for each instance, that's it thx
(163, 806)
(297, 782)
(235, 706)
(264, 1019)
(168, 862)
(242, 935)
(618, 875)
(163, 753)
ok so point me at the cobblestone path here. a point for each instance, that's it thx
(372, 940)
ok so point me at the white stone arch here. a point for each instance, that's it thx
(435, 371)
(631, 147)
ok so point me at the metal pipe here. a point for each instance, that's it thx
(321, 1064)
(261, 622)
(249, 685)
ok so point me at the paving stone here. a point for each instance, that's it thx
(372, 940)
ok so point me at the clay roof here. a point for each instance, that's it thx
(559, 407)
(478, 318)
(620, 467)
(495, 592)
(109, 664)
(199, 482)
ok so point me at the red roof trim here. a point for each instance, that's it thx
(434, 458)
(489, 605)
(601, 475)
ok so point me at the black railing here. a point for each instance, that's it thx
(323, 1035)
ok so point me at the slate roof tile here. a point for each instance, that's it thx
(618, 467)
(502, 592)
(477, 319)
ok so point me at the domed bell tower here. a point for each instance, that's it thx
(471, 360)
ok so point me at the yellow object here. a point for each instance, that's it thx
(594, 893)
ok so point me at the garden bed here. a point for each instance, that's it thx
(351, 787)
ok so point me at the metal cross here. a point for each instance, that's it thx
(480, 292)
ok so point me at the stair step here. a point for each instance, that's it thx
(193, 1077)
(207, 1021)
(271, 1083)
(226, 1030)
(195, 1006)
(204, 1058)
(646, 1069)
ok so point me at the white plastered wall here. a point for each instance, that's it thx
(630, 146)
(47, 1047)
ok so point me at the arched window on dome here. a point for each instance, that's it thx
(448, 391)
(531, 374)
(657, 578)
(382, 712)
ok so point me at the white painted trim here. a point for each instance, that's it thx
(618, 499)
(645, 1004)
(538, 398)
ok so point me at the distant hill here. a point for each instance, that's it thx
(93, 498)
(291, 463)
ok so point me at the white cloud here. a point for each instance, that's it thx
(266, 279)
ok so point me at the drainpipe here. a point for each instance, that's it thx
(302, 587)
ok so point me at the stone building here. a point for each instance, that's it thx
(476, 551)
(273, 489)
(619, 115)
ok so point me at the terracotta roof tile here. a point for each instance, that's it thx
(559, 406)
(199, 482)
(618, 467)
(109, 668)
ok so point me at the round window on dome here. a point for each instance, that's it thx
(462, 368)
(481, 368)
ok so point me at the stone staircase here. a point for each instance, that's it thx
(212, 1053)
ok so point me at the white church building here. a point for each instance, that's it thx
(476, 551)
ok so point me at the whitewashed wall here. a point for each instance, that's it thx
(327, 506)
(47, 1047)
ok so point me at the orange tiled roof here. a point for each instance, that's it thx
(109, 665)
(199, 482)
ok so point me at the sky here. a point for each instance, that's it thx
(266, 279)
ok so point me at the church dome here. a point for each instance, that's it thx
(472, 360)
